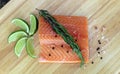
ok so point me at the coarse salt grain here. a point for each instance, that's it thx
(103, 52)
(98, 55)
(102, 37)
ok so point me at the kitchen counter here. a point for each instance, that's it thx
(103, 24)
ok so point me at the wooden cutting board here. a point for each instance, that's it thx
(103, 22)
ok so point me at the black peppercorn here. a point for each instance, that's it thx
(61, 45)
(98, 52)
(53, 48)
(99, 41)
(101, 58)
(98, 48)
(92, 62)
(67, 51)
(49, 54)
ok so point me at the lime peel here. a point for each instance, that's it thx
(21, 23)
(16, 35)
(30, 47)
(20, 46)
(33, 24)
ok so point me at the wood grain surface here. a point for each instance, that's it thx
(103, 22)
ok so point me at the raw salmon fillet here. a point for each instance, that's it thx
(54, 49)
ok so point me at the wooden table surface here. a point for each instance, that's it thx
(103, 22)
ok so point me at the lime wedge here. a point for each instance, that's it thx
(20, 45)
(30, 48)
(21, 23)
(33, 24)
(16, 35)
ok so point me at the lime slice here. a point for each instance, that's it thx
(33, 24)
(16, 35)
(30, 48)
(20, 45)
(21, 23)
